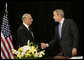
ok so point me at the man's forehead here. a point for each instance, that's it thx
(28, 15)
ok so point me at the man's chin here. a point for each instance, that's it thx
(56, 21)
(31, 24)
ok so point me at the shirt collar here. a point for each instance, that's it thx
(62, 21)
(26, 25)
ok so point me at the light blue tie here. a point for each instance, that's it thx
(60, 30)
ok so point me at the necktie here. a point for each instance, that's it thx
(30, 29)
(60, 30)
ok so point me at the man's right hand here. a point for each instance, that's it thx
(43, 45)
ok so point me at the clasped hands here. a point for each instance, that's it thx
(43, 45)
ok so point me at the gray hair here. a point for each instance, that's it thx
(59, 12)
(25, 16)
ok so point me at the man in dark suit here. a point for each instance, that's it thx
(66, 35)
(24, 32)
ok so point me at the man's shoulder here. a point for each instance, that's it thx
(71, 22)
(68, 20)
(21, 27)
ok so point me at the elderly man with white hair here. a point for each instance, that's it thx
(24, 32)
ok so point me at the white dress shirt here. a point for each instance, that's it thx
(26, 26)
(61, 22)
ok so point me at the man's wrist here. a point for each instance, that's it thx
(47, 45)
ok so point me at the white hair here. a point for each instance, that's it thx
(25, 16)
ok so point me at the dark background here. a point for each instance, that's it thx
(43, 24)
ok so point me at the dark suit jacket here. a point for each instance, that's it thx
(23, 35)
(69, 38)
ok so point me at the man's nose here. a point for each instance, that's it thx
(32, 19)
(53, 17)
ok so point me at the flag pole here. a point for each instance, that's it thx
(6, 8)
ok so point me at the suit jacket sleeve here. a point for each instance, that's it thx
(54, 41)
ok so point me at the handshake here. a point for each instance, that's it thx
(44, 45)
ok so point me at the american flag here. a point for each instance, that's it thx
(6, 39)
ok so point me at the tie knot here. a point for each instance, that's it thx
(59, 23)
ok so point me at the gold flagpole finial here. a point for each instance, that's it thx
(6, 8)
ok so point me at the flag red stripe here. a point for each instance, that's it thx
(9, 48)
(11, 39)
(10, 43)
(3, 53)
(4, 46)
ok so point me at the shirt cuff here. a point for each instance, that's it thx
(47, 45)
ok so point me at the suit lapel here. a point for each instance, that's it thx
(28, 32)
(58, 31)
(26, 29)
(63, 27)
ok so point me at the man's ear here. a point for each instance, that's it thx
(23, 20)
